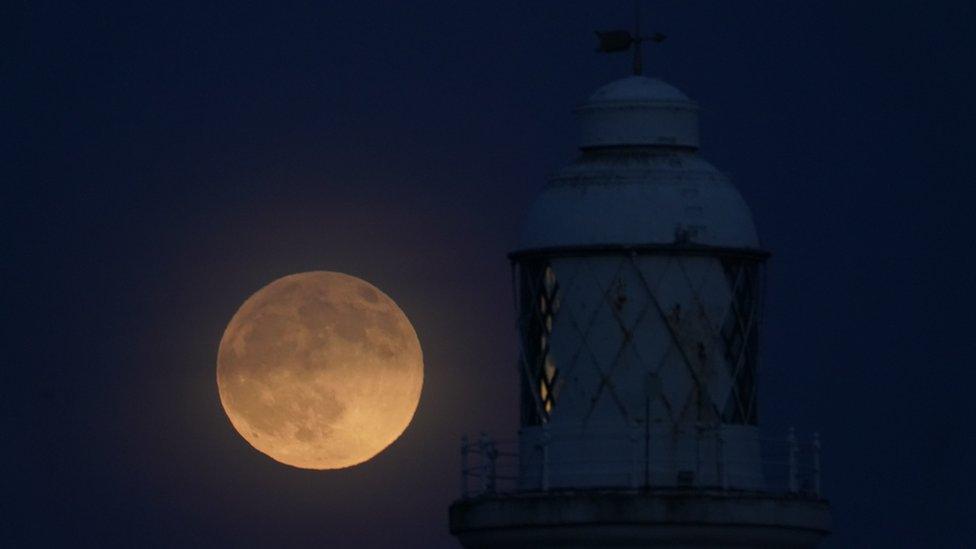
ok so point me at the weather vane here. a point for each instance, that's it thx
(616, 41)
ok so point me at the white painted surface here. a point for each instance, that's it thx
(638, 111)
(644, 182)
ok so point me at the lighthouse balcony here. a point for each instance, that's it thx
(786, 465)
(504, 504)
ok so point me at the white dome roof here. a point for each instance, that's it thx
(639, 181)
(646, 200)
(638, 111)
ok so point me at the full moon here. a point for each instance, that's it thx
(320, 370)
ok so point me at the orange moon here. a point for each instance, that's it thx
(320, 370)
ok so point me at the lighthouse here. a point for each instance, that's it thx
(638, 281)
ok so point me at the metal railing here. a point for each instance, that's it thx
(481, 461)
(787, 465)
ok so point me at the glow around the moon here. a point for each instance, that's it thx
(320, 370)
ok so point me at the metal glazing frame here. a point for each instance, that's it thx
(537, 296)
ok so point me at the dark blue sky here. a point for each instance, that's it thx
(164, 161)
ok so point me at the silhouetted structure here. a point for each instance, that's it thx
(639, 282)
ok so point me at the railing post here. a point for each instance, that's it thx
(545, 458)
(483, 469)
(816, 464)
(634, 474)
(791, 441)
(464, 466)
(492, 457)
(723, 473)
(698, 450)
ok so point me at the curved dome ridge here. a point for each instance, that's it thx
(637, 89)
(638, 111)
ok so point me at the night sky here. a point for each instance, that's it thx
(163, 161)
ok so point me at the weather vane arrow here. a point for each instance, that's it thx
(616, 41)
